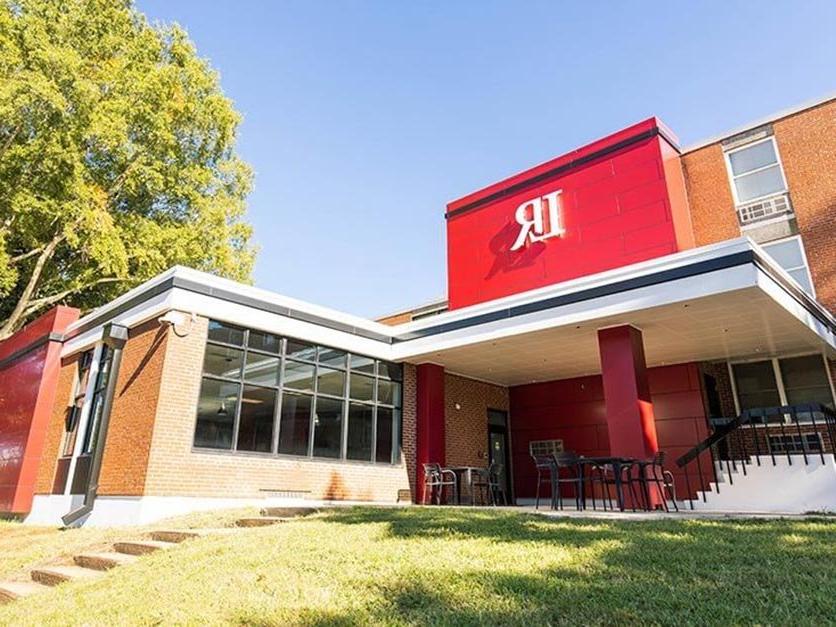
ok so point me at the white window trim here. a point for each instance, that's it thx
(803, 254)
(779, 380)
(727, 154)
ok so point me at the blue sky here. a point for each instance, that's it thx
(363, 119)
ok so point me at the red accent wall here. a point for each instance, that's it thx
(574, 410)
(623, 207)
(27, 392)
(430, 443)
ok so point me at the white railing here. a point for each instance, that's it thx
(764, 209)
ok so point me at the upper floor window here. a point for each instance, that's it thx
(789, 253)
(757, 181)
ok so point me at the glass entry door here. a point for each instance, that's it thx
(498, 447)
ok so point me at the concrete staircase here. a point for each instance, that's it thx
(790, 486)
(91, 566)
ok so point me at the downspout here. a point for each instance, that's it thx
(114, 336)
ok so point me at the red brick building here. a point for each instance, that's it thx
(610, 301)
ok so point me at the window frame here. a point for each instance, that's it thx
(779, 378)
(766, 245)
(314, 394)
(732, 176)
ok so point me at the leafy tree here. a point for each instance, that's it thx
(117, 157)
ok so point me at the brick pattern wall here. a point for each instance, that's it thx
(396, 319)
(807, 146)
(55, 431)
(128, 445)
(175, 469)
(410, 419)
(720, 371)
(466, 427)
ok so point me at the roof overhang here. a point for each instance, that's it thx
(724, 301)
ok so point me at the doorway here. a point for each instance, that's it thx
(498, 452)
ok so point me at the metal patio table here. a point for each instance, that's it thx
(464, 475)
(618, 464)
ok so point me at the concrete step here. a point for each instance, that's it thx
(103, 561)
(180, 535)
(54, 575)
(290, 512)
(141, 547)
(261, 521)
(14, 590)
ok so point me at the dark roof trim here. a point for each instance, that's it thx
(569, 165)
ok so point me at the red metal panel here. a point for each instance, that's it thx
(618, 208)
(27, 393)
(430, 435)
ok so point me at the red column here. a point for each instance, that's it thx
(429, 425)
(630, 420)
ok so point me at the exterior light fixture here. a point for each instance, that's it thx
(222, 409)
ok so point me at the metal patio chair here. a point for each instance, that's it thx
(435, 479)
(546, 471)
(490, 484)
(572, 475)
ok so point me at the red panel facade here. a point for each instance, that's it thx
(29, 364)
(429, 425)
(575, 411)
(617, 201)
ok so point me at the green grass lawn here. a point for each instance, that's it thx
(453, 566)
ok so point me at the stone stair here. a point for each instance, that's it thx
(92, 565)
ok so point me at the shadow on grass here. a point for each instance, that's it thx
(665, 572)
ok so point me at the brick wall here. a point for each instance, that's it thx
(807, 146)
(466, 427)
(55, 430)
(175, 469)
(128, 445)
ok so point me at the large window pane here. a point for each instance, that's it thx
(255, 429)
(216, 410)
(389, 370)
(223, 362)
(753, 157)
(262, 369)
(388, 392)
(361, 388)
(331, 382)
(384, 435)
(266, 342)
(359, 432)
(328, 427)
(301, 350)
(331, 357)
(756, 385)
(359, 363)
(787, 253)
(805, 380)
(295, 426)
(298, 376)
(219, 332)
(759, 184)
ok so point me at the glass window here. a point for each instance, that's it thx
(385, 427)
(360, 418)
(328, 427)
(255, 426)
(330, 382)
(262, 369)
(228, 334)
(361, 387)
(223, 361)
(790, 256)
(97, 402)
(390, 371)
(77, 404)
(301, 350)
(298, 376)
(295, 425)
(216, 411)
(265, 342)
(388, 392)
(755, 171)
(756, 385)
(331, 357)
(359, 363)
(805, 380)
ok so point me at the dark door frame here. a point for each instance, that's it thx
(502, 430)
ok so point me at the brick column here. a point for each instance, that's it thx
(630, 420)
(429, 427)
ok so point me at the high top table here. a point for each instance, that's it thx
(618, 464)
(464, 476)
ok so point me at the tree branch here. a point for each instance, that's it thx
(17, 317)
(22, 256)
(46, 301)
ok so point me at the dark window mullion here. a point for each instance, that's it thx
(237, 422)
(277, 410)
